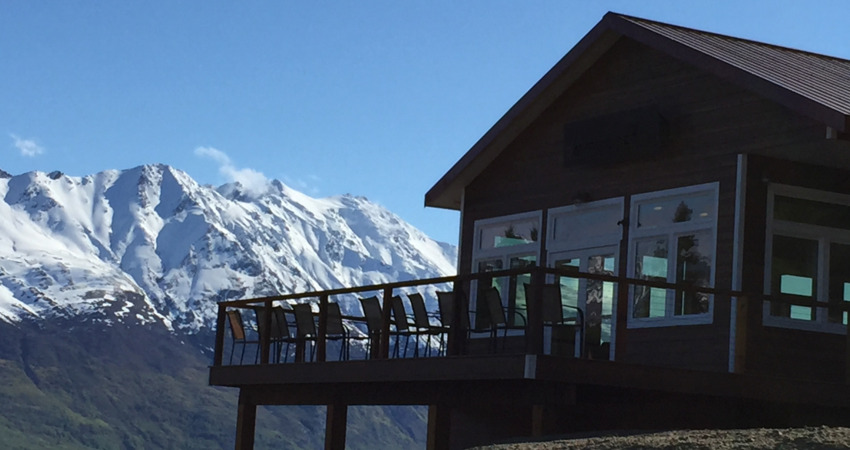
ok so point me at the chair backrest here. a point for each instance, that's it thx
(446, 301)
(420, 312)
(399, 314)
(551, 307)
(279, 324)
(493, 302)
(236, 329)
(335, 326)
(279, 327)
(372, 311)
(306, 327)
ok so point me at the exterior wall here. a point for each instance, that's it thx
(710, 122)
(769, 349)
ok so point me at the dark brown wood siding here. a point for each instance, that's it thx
(709, 121)
(777, 350)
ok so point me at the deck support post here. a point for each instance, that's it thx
(335, 424)
(246, 420)
(439, 424)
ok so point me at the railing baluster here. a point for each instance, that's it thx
(265, 338)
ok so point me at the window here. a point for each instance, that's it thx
(672, 236)
(808, 249)
(501, 243)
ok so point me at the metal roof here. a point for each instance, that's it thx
(814, 85)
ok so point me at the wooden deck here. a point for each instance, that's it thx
(522, 390)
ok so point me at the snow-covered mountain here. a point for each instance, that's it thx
(150, 244)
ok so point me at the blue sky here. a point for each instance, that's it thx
(373, 98)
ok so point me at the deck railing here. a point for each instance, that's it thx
(459, 335)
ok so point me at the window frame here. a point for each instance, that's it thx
(672, 233)
(825, 236)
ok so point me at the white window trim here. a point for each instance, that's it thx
(814, 232)
(671, 232)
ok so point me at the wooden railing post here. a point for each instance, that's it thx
(322, 338)
(265, 338)
(456, 332)
(386, 310)
(534, 327)
(219, 335)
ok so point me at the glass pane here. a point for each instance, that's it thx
(569, 286)
(794, 270)
(812, 212)
(671, 210)
(694, 253)
(650, 264)
(507, 234)
(839, 280)
(578, 226)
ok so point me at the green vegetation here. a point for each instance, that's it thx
(63, 386)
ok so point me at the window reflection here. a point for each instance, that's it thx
(650, 264)
(794, 268)
(668, 211)
(507, 234)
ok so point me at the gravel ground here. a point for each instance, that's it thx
(792, 438)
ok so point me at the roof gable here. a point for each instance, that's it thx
(814, 85)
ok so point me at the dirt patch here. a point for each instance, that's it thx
(760, 438)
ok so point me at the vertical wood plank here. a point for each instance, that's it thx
(386, 309)
(537, 420)
(534, 328)
(321, 339)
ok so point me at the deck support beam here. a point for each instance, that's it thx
(246, 420)
(439, 424)
(335, 425)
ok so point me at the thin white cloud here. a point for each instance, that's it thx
(254, 182)
(27, 147)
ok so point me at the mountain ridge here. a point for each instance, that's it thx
(79, 245)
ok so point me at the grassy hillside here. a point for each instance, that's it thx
(78, 386)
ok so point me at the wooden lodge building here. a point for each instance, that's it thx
(687, 194)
